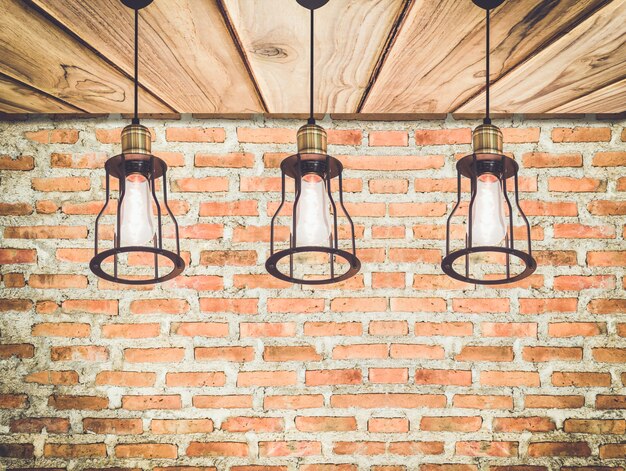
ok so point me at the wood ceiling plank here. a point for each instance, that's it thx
(589, 57)
(609, 99)
(437, 61)
(37, 53)
(350, 36)
(186, 54)
(18, 98)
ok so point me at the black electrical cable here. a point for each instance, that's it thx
(487, 119)
(311, 117)
(136, 118)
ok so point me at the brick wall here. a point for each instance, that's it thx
(399, 368)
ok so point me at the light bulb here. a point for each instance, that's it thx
(137, 225)
(488, 219)
(313, 213)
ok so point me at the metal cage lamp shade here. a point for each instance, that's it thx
(313, 256)
(138, 229)
(490, 229)
(314, 237)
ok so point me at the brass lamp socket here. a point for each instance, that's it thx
(312, 139)
(487, 139)
(136, 139)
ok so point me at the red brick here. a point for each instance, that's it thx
(576, 185)
(540, 354)
(388, 425)
(134, 379)
(523, 424)
(546, 160)
(311, 401)
(63, 402)
(388, 400)
(388, 186)
(21, 162)
(74, 450)
(57, 281)
(579, 231)
(53, 136)
(609, 159)
(415, 448)
(151, 402)
(17, 256)
(542, 306)
(91, 306)
(416, 209)
(291, 448)
(195, 379)
(266, 378)
(359, 448)
(18, 350)
(291, 353)
(88, 160)
(201, 185)
(470, 401)
(79, 353)
(217, 449)
(325, 424)
(15, 209)
(478, 305)
(62, 184)
(388, 138)
(61, 329)
(595, 426)
(553, 402)
(606, 259)
(229, 208)
(429, 352)
(577, 283)
(60, 378)
(607, 208)
(181, 426)
(37, 425)
(235, 354)
(154, 355)
(429, 137)
(559, 449)
(146, 450)
(493, 448)
(174, 134)
(253, 424)
(509, 378)
(223, 402)
(451, 424)
(579, 134)
(575, 329)
(388, 375)
(331, 377)
(485, 353)
(230, 160)
(443, 377)
(102, 426)
(580, 379)
(131, 331)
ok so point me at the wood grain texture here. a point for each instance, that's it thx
(41, 55)
(187, 56)
(438, 59)
(17, 98)
(349, 38)
(589, 57)
(609, 99)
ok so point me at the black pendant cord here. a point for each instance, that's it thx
(487, 119)
(311, 72)
(135, 117)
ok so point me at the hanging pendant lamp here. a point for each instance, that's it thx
(491, 254)
(313, 255)
(138, 234)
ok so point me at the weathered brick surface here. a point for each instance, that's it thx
(398, 369)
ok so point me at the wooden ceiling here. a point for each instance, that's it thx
(372, 56)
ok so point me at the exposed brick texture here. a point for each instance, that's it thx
(397, 369)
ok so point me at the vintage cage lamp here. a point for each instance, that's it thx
(138, 231)
(313, 255)
(491, 254)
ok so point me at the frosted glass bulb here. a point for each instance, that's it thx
(488, 219)
(137, 225)
(313, 213)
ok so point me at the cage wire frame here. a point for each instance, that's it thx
(332, 168)
(468, 167)
(152, 168)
